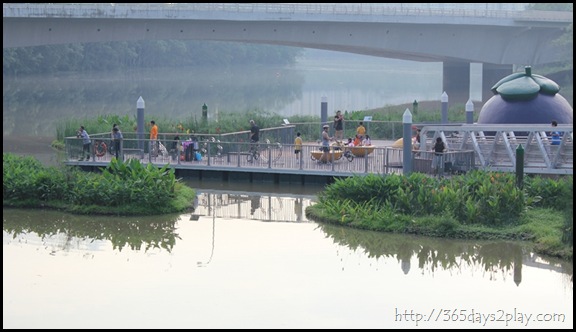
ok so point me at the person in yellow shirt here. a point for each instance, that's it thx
(298, 145)
(361, 130)
(154, 138)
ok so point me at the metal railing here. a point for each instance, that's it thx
(489, 147)
(187, 10)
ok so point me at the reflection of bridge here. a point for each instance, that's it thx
(253, 205)
(496, 35)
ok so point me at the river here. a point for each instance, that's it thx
(248, 257)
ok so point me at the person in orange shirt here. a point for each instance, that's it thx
(154, 138)
(357, 140)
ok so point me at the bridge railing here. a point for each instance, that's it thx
(495, 146)
(184, 10)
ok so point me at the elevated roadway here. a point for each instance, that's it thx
(498, 36)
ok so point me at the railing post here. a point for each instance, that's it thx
(444, 102)
(407, 142)
(520, 166)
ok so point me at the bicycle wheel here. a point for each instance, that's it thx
(349, 156)
(276, 152)
(252, 155)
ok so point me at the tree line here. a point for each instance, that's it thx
(108, 56)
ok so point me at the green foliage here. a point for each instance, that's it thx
(479, 204)
(121, 188)
(567, 7)
(26, 180)
(554, 193)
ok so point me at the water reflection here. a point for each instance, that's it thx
(222, 266)
(431, 254)
(63, 232)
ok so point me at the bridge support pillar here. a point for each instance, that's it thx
(456, 81)
(490, 75)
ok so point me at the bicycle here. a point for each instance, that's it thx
(273, 151)
(346, 153)
(253, 153)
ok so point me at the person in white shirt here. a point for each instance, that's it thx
(366, 141)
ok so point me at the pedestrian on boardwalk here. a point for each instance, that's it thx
(86, 143)
(361, 130)
(339, 126)
(254, 132)
(117, 140)
(325, 145)
(556, 139)
(112, 131)
(154, 138)
(298, 145)
(439, 149)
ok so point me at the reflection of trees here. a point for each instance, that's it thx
(447, 254)
(132, 232)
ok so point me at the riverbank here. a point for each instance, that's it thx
(478, 205)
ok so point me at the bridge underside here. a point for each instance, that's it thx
(456, 48)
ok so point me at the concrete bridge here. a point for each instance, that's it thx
(500, 36)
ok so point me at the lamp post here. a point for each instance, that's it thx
(469, 112)
(323, 112)
(407, 142)
(140, 124)
(444, 100)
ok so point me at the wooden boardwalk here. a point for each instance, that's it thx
(275, 164)
(468, 148)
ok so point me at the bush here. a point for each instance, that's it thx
(121, 187)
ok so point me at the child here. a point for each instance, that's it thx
(357, 140)
(350, 143)
(367, 141)
(298, 145)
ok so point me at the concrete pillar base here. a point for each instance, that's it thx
(456, 82)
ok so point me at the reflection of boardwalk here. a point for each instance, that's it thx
(260, 206)
(533, 260)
